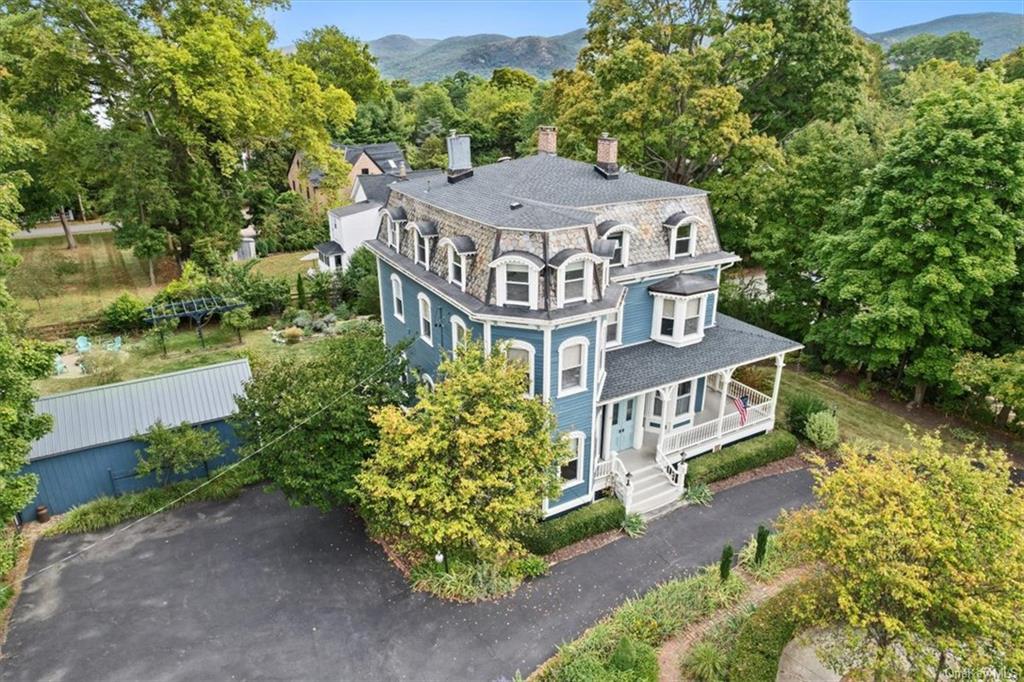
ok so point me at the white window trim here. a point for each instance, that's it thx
(393, 234)
(532, 271)
(588, 278)
(580, 451)
(692, 223)
(627, 231)
(420, 300)
(416, 248)
(618, 329)
(397, 295)
(457, 323)
(689, 414)
(452, 255)
(531, 352)
(585, 357)
(678, 337)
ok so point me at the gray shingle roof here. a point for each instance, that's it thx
(676, 218)
(638, 368)
(387, 155)
(397, 213)
(605, 226)
(684, 285)
(562, 256)
(555, 192)
(353, 209)
(426, 228)
(117, 412)
(378, 187)
(329, 249)
(525, 255)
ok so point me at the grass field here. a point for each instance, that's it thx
(284, 264)
(142, 356)
(99, 273)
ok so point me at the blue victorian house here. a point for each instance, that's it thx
(604, 284)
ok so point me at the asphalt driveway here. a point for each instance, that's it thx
(253, 589)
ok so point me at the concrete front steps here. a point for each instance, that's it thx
(653, 493)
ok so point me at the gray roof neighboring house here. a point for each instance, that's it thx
(537, 192)
(353, 209)
(387, 155)
(378, 187)
(329, 249)
(117, 412)
(647, 365)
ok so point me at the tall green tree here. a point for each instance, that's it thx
(342, 62)
(307, 418)
(930, 237)
(959, 46)
(21, 360)
(469, 464)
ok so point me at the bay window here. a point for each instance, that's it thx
(678, 320)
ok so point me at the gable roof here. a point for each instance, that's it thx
(387, 155)
(117, 412)
(554, 192)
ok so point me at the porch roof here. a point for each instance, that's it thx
(648, 365)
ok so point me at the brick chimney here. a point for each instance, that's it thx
(460, 166)
(607, 157)
(547, 140)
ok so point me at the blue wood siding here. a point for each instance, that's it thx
(709, 312)
(535, 338)
(575, 412)
(74, 478)
(638, 308)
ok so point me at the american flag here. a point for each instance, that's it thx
(741, 407)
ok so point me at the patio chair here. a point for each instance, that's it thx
(58, 364)
(113, 346)
(82, 344)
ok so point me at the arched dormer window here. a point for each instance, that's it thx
(392, 219)
(517, 277)
(424, 232)
(619, 234)
(574, 275)
(682, 234)
(460, 248)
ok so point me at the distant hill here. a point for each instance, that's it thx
(421, 59)
(1000, 32)
(427, 59)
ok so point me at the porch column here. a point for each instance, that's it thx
(780, 362)
(726, 375)
(640, 421)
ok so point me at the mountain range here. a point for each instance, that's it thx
(425, 59)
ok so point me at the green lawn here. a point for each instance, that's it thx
(142, 356)
(284, 264)
(101, 273)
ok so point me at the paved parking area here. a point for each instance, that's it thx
(253, 589)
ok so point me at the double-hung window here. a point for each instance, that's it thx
(572, 366)
(397, 300)
(682, 240)
(422, 251)
(618, 256)
(684, 398)
(521, 353)
(611, 328)
(668, 317)
(517, 284)
(571, 470)
(575, 282)
(426, 326)
(456, 268)
(691, 316)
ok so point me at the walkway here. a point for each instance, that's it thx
(58, 231)
(256, 589)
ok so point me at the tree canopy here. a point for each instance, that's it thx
(341, 62)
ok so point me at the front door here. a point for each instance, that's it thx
(623, 416)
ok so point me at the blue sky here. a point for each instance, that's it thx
(369, 19)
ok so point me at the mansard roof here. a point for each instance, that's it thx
(539, 192)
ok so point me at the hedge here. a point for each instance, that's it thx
(741, 457)
(579, 524)
(759, 644)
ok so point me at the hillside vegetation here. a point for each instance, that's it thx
(999, 32)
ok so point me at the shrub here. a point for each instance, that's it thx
(178, 449)
(106, 366)
(760, 545)
(579, 524)
(741, 457)
(758, 378)
(261, 293)
(759, 644)
(707, 662)
(292, 335)
(634, 525)
(801, 407)
(238, 319)
(822, 429)
(778, 556)
(529, 566)
(725, 563)
(300, 290)
(698, 493)
(125, 314)
(465, 580)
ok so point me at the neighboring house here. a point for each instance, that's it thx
(352, 225)
(90, 452)
(368, 159)
(604, 284)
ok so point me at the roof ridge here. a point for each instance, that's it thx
(139, 380)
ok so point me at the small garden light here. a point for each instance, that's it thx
(439, 558)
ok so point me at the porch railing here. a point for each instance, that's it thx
(623, 482)
(759, 408)
(603, 470)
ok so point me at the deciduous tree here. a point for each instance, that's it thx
(1000, 378)
(922, 552)
(469, 464)
(308, 418)
(176, 449)
(342, 62)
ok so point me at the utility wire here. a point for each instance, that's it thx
(221, 472)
